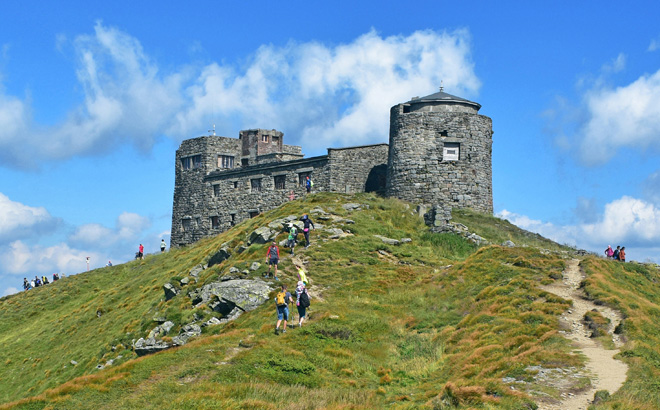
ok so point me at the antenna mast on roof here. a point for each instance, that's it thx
(442, 89)
(213, 130)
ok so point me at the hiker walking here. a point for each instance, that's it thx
(293, 234)
(282, 300)
(162, 245)
(273, 257)
(306, 224)
(140, 253)
(302, 276)
(609, 252)
(302, 301)
(26, 284)
(622, 254)
(308, 184)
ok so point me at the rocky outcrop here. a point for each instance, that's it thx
(261, 235)
(186, 333)
(219, 257)
(232, 297)
(170, 291)
(150, 345)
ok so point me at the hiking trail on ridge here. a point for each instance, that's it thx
(606, 372)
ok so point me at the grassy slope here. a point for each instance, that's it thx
(398, 328)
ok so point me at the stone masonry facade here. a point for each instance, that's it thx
(438, 156)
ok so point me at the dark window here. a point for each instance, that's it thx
(216, 190)
(264, 138)
(225, 161)
(235, 184)
(197, 161)
(254, 214)
(215, 222)
(186, 224)
(186, 163)
(275, 139)
(255, 184)
(245, 162)
(280, 181)
(302, 178)
(233, 219)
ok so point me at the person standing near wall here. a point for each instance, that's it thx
(308, 184)
(162, 245)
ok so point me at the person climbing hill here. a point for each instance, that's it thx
(306, 224)
(293, 234)
(302, 302)
(273, 258)
(282, 300)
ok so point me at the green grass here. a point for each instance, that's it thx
(436, 323)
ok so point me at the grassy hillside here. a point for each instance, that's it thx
(435, 323)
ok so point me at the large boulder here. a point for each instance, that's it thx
(150, 345)
(219, 257)
(232, 297)
(260, 235)
(170, 291)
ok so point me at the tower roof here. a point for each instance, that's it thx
(442, 97)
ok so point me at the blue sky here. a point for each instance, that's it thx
(95, 98)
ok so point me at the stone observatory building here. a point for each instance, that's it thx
(439, 156)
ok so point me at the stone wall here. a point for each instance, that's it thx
(419, 173)
(351, 168)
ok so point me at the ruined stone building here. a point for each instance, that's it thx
(439, 155)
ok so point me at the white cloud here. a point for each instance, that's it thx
(21, 221)
(654, 45)
(319, 95)
(128, 227)
(9, 291)
(627, 221)
(615, 118)
(20, 259)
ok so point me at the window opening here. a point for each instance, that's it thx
(280, 181)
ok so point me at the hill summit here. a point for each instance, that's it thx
(400, 317)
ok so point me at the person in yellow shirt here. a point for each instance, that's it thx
(302, 276)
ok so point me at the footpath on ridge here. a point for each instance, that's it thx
(606, 372)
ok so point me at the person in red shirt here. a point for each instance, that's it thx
(273, 257)
(141, 252)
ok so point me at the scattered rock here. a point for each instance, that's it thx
(234, 269)
(509, 244)
(184, 281)
(226, 296)
(147, 346)
(388, 241)
(405, 240)
(260, 235)
(194, 272)
(354, 207)
(186, 333)
(211, 322)
(170, 291)
(255, 266)
(73, 362)
(219, 257)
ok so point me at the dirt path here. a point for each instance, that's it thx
(606, 372)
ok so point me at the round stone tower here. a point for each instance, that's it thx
(440, 154)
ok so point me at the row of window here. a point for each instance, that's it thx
(187, 224)
(256, 183)
(450, 152)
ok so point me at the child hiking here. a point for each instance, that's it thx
(282, 300)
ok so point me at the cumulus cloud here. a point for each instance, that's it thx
(319, 95)
(19, 258)
(21, 221)
(613, 118)
(654, 44)
(626, 221)
(128, 227)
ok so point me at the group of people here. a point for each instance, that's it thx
(38, 281)
(284, 298)
(140, 253)
(273, 252)
(618, 254)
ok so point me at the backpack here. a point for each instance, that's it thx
(304, 299)
(280, 299)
